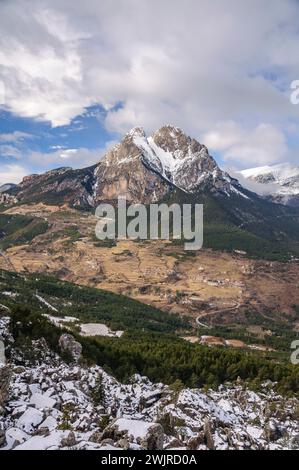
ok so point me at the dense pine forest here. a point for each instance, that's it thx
(161, 357)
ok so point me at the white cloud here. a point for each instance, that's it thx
(194, 64)
(12, 173)
(12, 145)
(15, 137)
(242, 147)
(10, 151)
(57, 147)
(68, 153)
(77, 158)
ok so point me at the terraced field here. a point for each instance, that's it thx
(213, 286)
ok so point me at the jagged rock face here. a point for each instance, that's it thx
(144, 169)
(123, 173)
(183, 161)
(7, 199)
(187, 163)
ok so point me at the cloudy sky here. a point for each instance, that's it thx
(75, 76)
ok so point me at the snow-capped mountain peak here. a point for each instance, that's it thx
(135, 132)
(143, 168)
(174, 156)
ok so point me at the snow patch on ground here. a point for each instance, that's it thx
(134, 427)
(60, 321)
(44, 302)
(98, 329)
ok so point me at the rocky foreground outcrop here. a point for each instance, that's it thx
(70, 407)
(48, 404)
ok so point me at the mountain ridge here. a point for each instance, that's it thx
(279, 182)
(142, 168)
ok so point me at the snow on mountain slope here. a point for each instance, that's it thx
(183, 161)
(282, 181)
(142, 168)
(6, 187)
(280, 172)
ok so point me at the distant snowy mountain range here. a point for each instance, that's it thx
(147, 168)
(279, 182)
(6, 187)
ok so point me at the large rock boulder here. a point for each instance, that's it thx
(5, 376)
(69, 345)
(149, 436)
(208, 435)
(29, 420)
(2, 353)
(272, 431)
(15, 437)
(69, 440)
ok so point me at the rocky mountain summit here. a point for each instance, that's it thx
(50, 404)
(166, 159)
(144, 169)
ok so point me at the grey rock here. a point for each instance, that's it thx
(174, 443)
(123, 443)
(108, 442)
(208, 435)
(96, 437)
(69, 440)
(154, 438)
(5, 376)
(68, 344)
(272, 432)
